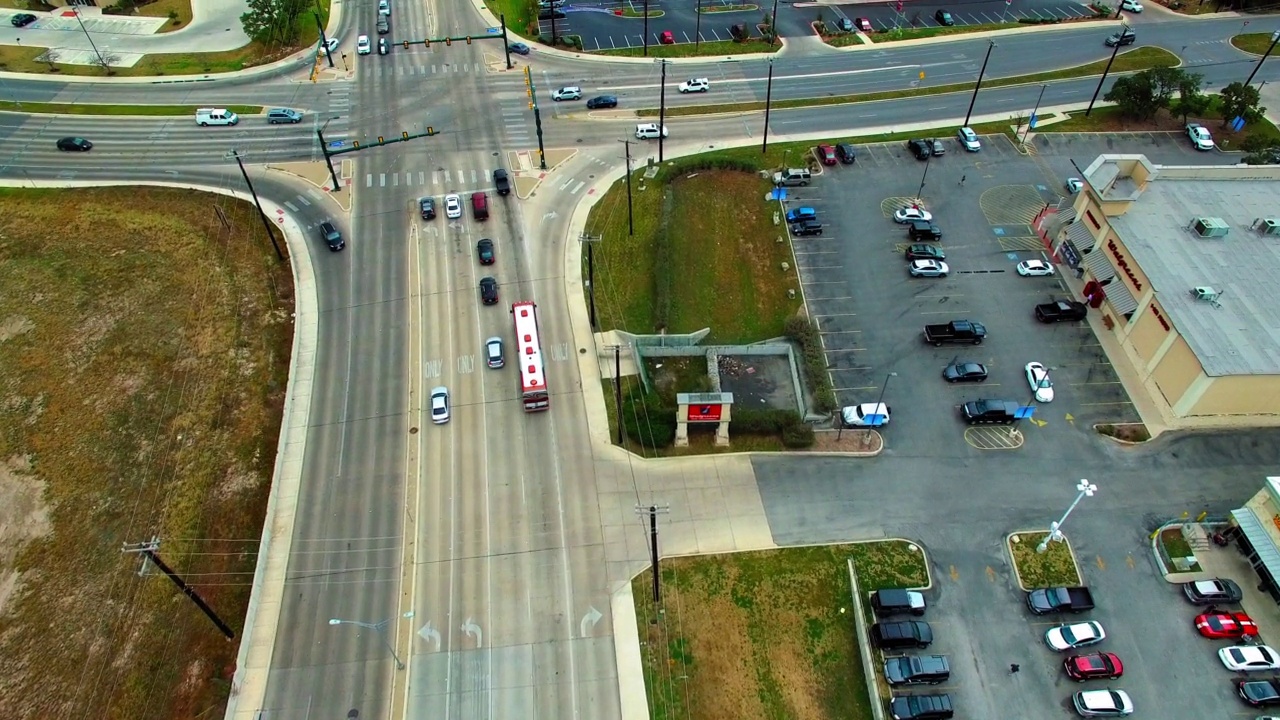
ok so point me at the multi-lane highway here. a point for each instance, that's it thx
(475, 550)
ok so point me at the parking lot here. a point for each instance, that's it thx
(884, 17)
(601, 26)
(871, 313)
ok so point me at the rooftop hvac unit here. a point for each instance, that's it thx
(1269, 226)
(1205, 293)
(1210, 227)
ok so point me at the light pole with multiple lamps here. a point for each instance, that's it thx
(380, 628)
(1086, 489)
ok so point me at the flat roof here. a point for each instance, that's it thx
(1240, 333)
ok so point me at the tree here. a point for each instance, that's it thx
(273, 21)
(50, 57)
(107, 61)
(1240, 101)
(1142, 95)
(1190, 100)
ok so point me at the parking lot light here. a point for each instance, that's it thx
(1085, 488)
(883, 387)
(977, 85)
(1124, 25)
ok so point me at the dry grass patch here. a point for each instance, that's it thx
(1056, 567)
(763, 634)
(144, 350)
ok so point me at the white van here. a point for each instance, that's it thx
(649, 131)
(215, 116)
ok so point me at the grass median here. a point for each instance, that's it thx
(684, 50)
(1055, 567)
(146, 337)
(1255, 43)
(1134, 60)
(131, 110)
(762, 635)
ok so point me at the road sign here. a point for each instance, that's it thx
(1032, 122)
(1025, 411)
(334, 144)
(1237, 123)
(493, 31)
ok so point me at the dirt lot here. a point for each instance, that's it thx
(144, 351)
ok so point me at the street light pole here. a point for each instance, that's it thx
(981, 72)
(768, 98)
(380, 628)
(697, 33)
(773, 23)
(646, 28)
(662, 109)
(631, 223)
(76, 11)
(920, 192)
(1275, 36)
(1123, 26)
(1033, 115)
(879, 421)
(1085, 488)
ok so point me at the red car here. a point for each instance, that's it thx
(1093, 666)
(666, 38)
(862, 24)
(828, 154)
(1226, 625)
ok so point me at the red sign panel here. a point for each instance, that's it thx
(704, 413)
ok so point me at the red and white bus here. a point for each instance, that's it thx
(533, 377)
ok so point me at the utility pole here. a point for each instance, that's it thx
(662, 109)
(617, 388)
(653, 511)
(324, 40)
(537, 116)
(1275, 36)
(768, 99)
(103, 63)
(591, 240)
(697, 32)
(773, 23)
(266, 224)
(981, 72)
(506, 47)
(631, 224)
(148, 551)
(1123, 26)
(646, 28)
(1031, 120)
(328, 159)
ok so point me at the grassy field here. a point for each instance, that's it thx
(1256, 43)
(181, 10)
(704, 254)
(1054, 568)
(132, 110)
(1109, 119)
(765, 634)
(519, 14)
(144, 352)
(1139, 59)
(683, 50)
(909, 33)
(1174, 545)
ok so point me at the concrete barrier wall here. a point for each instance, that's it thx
(864, 644)
(712, 353)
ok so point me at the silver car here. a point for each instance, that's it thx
(440, 405)
(493, 352)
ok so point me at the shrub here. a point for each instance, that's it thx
(647, 422)
(762, 422)
(805, 333)
(797, 435)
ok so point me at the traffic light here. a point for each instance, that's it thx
(448, 42)
(406, 44)
(427, 42)
(468, 39)
(404, 134)
(431, 130)
(381, 141)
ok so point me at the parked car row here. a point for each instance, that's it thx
(925, 148)
(1101, 702)
(903, 671)
(1230, 624)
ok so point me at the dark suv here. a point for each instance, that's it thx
(901, 634)
(806, 227)
(331, 236)
(844, 151)
(921, 251)
(921, 707)
(917, 670)
(502, 181)
(989, 412)
(920, 148)
(923, 230)
(1128, 37)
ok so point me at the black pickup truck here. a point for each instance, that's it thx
(1060, 599)
(956, 331)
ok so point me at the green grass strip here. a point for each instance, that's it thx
(1256, 43)
(38, 108)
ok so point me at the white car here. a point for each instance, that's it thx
(1103, 703)
(865, 415)
(329, 46)
(1038, 379)
(928, 268)
(1074, 185)
(384, 7)
(650, 131)
(969, 139)
(695, 85)
(452, 206)
(1075, 635)
(1200, 136)
(362, 45)
(1034, 268)
(1249, 658)
(907, 214)
(572, 92)
(440, 405)
(1131, 6)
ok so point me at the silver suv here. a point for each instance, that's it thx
(567, 93)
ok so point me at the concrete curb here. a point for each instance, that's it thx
(1028, 29)
(1008, 546)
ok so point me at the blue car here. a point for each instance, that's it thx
(519, 48)
(801, 214)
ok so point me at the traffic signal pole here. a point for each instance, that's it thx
(537, 116)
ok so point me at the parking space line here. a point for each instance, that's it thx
(868, 387)
(1104, 403)
(831, 315)
(821, 282)
(944, 312)
(839, 332)
(822, 267)
(842, 297)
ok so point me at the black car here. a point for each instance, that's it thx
(1060, 311)
(923, 229)
(944, 18)
(551, 15)
(921, 707)
(489, 291)
(1213, 592)
(937, 147)
(427, 206)
(519, 48)
(74, 144)
(923, 251)
(920, 148)
(917, 670)
(1259, 692)
(331, 236)
(901, 634)
(384, 25)
(603, 101)
(844, 151)
(502, 181)
(964, 371)
(383, 47)
(22, 19)
(1128, 37)
(806, 227)
(484, 251)
(989, 412)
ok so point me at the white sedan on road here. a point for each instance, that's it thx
(693, 85)
(1070, 637)
(1034, 268)
(1131, 6)
(440, 405)
(1038, 379)
(907, 214)
(452, 206)
(1249, 658)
